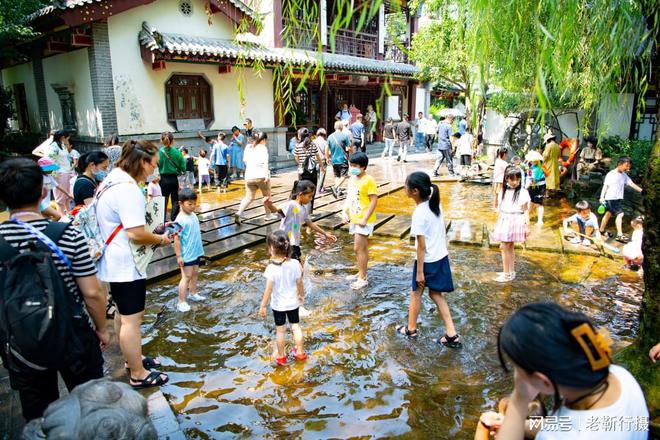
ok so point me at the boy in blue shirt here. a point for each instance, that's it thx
(337, 154)
(357, 131)
(220, 158)
(188, 249)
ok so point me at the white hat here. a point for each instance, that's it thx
(533, 156)
(549, 135)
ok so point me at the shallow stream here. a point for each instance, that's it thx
(361, 379)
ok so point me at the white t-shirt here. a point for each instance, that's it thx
(432, 227)
(255, 158)
(498, 172)
(322, 145)
(284, 277)
(123, 203)
(509, 206)
(465, 144)
(60, 156)
(615, 183)
(203, 165)
(615, 422)
(431, 126)
(295, 216)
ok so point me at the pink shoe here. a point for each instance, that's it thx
(299, 357)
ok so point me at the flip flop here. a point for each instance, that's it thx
(154, 379)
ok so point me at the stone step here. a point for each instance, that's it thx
(465, 232)
(397, 227)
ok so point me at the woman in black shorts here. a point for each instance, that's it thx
(121, 212)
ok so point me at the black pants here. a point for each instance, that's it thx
(38, 389)
(221, 175)
(314, 178)
(446, 156)
(169, 185)
(429, 141)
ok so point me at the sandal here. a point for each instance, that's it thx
(147, 362)
(451, 342)
(622, 238)
(403, 330)
(154, 379)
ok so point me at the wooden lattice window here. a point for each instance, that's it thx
(188, 97)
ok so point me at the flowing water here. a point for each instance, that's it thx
(361, 379)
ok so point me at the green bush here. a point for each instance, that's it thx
(17, 143)
(638, 150)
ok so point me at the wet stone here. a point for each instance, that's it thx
(398, 226)
(228, 246)
(465, 232)
(227, 231)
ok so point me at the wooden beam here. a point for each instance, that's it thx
(81, 40)
(233, 13)
(224, 68)
(277, 23)
(158, 65)
(98, 11)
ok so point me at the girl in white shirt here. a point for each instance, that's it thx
(498, 174)
(284, 288)
(512, 220)
(257, 175)
(431, 269)
(557, 352)
(58, 152)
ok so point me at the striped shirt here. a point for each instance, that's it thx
(303, 151)
(71, 243)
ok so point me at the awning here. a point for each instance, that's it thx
(168, 46)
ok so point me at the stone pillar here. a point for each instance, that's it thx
(40, 86)
(100, 70)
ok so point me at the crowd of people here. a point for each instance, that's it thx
(544, 342)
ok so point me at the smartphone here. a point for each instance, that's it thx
(174, 228)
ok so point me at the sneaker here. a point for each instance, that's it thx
(281, 361)
(353, 277)
(606, 234)
(503, 277)
(398, 158)
(272, 216)
(436, 174)
(299, 356)
(183, 307)
(586, 242)
(360, 283)
(512, 276)
(238, 218)
(335, 192)
(197, 297)
(576, 240)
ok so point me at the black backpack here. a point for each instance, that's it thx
(41, 323)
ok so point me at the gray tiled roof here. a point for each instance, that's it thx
(70, 4)
(186, 45)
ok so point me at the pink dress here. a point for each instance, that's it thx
(510, 226)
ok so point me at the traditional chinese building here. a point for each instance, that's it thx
(140, 67)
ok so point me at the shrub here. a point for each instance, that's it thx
(638, 150)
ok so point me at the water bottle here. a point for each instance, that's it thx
(601, 209)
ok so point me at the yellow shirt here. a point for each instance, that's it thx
(357, 199)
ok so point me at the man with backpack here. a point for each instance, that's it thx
(48, 287)
(337, 153)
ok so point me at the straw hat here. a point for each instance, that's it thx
(533, 156)
(549, 135)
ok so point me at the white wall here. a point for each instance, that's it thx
(71, 68)
(22, 74)
(420, 101)
(614, 115)
(140, 91)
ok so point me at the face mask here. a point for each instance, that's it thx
(355, 171)
(100, 175)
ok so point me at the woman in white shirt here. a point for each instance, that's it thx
(557, 352)
(58, 152)
(257, 174)
(120, 212)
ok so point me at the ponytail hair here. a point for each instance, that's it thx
(427, 190)
(302, 187)
(304, 137)
(279, 242)
(59, 135)
(259, 136)
(93, 157)
(167, 136)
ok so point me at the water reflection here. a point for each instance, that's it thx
(361, 380)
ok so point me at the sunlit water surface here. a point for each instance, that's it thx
(362, 380)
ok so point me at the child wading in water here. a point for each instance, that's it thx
(294, 214)
(512, 220)
(431, 269)
(359, 210)
(188, 249)
(284, 288)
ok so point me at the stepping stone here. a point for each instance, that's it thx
(465, 232)
(332, 222)
(227, 231)
(210, 225)
(162, 252)
(380, 220)
(398, 227)
(544, 239)
(162, 268)
(216, 213)
(446, 178)
(230, 245)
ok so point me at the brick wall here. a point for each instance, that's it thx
(100, 69)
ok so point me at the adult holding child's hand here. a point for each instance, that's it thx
(121, 210)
